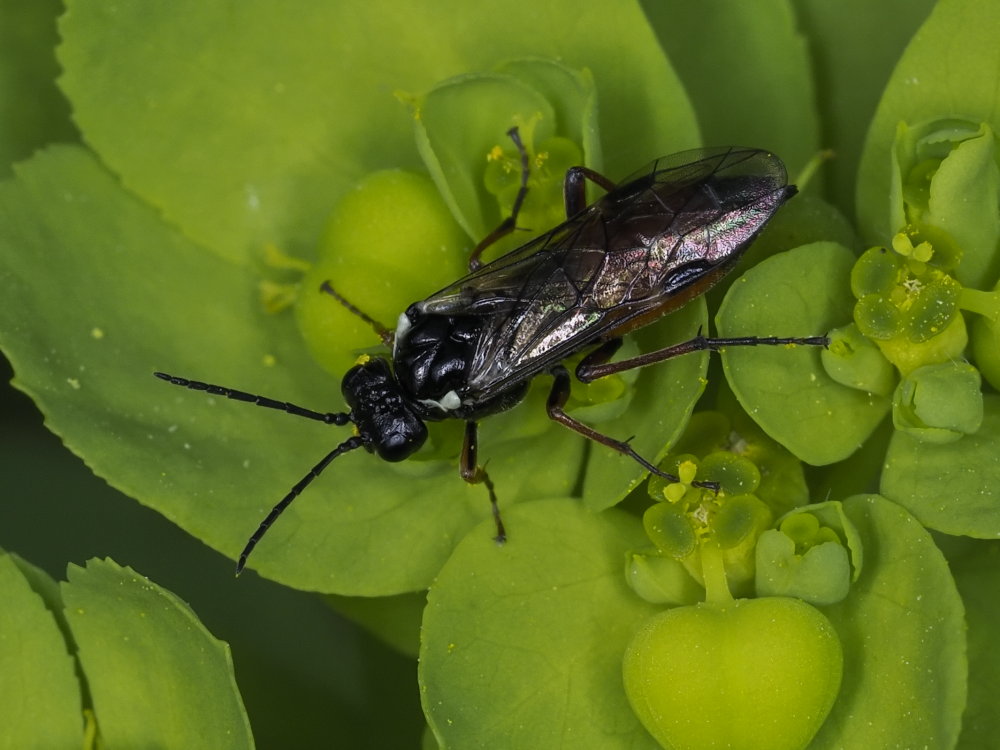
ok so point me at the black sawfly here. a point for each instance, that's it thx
(656, 240)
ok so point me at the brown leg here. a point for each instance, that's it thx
(598, 356)
(473, 473)
(575, 189)
(557, 400)
(588, 371)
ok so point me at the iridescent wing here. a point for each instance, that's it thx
(662, 236)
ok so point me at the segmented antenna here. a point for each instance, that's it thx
(348, 445)
(336, 418)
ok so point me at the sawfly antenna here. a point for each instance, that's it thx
(348, 445)
(337, 418)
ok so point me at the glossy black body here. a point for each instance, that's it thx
(656, 240)
(661, 237)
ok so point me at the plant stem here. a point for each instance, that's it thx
(713, 571)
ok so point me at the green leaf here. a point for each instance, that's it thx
(963, 201)
(803, 292)
(157, 677)
(661, 580)
(832, 516)
(854, 44)
(748, 71)
(32, 109)
(522, 644)
(903, 632)
(46, 587)
(955, 487)
(395, 620)
(459, 121)
(852, 359)
(977, 574)
(821, 575)
(948, 69)
(242, 123)
(986, 349)
(463, 126)
(939, 403)
(39, 691)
